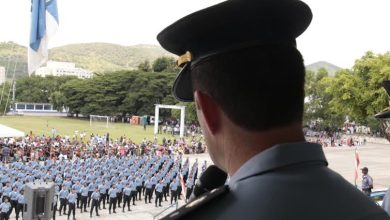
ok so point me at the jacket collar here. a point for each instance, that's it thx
(278, 156)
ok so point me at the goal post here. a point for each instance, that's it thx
(99, 120)
(182, 116)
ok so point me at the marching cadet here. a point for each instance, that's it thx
(158, 192)
(127, 191)
(91, 188)
(119, 194)
(20, 205)
(72, 198)
(138, 186)
(76, 187)
(112, 193)
(5, 207)
(103, 194)
(173, 186)
(84, 198)
(179, 188)
(63, 199)
(148, 191)
(189, 185)
(7, 189)
(95, 201)
(133, 191)
(166, 188)
(154, 181)
(14, 199)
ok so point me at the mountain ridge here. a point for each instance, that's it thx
(101, 57)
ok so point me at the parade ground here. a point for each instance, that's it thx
(376, 157)
(341, 159)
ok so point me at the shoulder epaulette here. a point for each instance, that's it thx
(197, 203)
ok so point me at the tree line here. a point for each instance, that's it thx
(118, 93)
(355, 94)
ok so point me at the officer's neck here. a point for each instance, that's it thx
(243, 144)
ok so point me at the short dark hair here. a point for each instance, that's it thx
(258, 87)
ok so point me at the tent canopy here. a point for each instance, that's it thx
(9, 132)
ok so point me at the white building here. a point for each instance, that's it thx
(54, 68)
(2, 75)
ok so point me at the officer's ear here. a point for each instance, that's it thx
(208, 111)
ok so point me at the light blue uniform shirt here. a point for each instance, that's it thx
(72, 197)
(102, 188)
(95, 195)
(84, 191)
(173, 186)
(127, 191)
(63, 194)
(21, 199)
(5, 207)
(112, 192)
(159, 187)
(76, 187)
(13, 195)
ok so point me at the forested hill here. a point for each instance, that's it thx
(98, 57)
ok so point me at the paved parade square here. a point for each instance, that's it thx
(341, 159)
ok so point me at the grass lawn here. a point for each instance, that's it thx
(68, 126)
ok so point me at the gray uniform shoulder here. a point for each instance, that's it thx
(197, 206)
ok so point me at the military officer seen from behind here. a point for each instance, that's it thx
(241, 67)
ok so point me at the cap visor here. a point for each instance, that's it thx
(182, 87)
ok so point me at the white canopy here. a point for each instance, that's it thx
(9, 132)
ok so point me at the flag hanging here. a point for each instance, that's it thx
(44, 24)
(357, 164)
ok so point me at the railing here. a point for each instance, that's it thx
(176, 204)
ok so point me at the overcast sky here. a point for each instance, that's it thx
(340, 33)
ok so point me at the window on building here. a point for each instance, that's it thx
(47, 107)
(20, 106)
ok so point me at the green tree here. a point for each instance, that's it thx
(74, 92)
(145, 66)
(165, 64)
(190, 112)
(317, 109)
(357, 92)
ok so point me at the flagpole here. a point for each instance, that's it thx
(357, 163)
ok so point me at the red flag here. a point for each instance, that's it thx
(357, 164)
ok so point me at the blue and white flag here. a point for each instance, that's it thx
(44, 24)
